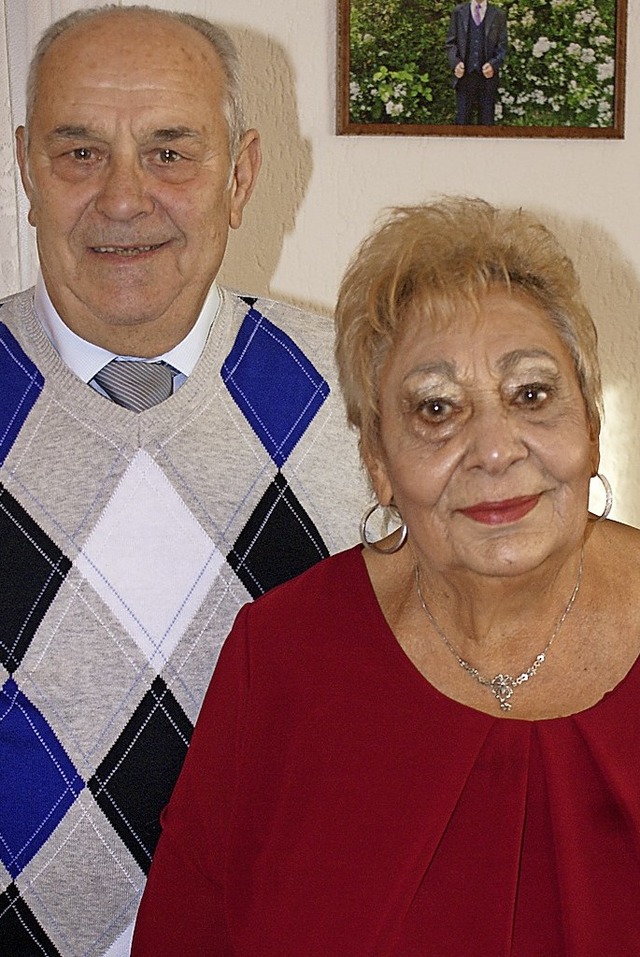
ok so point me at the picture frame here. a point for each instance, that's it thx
(563, 75)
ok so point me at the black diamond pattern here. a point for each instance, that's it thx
(20, 933)
(278, 542)
(32, 568)
(136, 778)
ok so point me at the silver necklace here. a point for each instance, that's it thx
(502, 686)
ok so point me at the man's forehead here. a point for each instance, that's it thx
(129, 47)
(155, 88)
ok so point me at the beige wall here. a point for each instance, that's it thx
(319, 194)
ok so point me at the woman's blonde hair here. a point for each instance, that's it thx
(434, 258)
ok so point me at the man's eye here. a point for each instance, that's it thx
(82, 153)
(168, 156)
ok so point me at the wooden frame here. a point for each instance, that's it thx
(360, 98)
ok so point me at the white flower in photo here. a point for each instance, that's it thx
(541, 46)
(394, 109)
(605, 70)
(588, 55)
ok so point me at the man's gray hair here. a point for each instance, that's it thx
(217, 37)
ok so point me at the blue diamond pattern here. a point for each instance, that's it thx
(277, 388)
(38, 783)
(21, 383)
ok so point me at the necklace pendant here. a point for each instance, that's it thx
(502, 688)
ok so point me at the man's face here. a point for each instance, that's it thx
(127, 170)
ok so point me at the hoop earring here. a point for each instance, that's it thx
(376, 545)
(608, 498)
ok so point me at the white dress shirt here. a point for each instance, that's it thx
(483, 8)
(84, 358)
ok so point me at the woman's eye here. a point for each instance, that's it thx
(435, 409)
(533, 394)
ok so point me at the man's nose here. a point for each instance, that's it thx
(124, 192)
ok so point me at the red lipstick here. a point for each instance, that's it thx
(501, 513)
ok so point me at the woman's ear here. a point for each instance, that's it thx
(375, 465)
(594, 454)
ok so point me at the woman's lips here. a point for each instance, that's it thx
(501, 513)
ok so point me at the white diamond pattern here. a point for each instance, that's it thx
(180, 556)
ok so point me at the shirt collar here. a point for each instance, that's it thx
(483, 6)
(84, 358)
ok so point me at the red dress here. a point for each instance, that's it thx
(334, 804)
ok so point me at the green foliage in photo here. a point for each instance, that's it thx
(559, 69)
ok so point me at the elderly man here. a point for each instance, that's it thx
(168, 451)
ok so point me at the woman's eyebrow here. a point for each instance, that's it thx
(509, 361)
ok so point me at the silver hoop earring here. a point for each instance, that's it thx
(375, 545)
(608, 498)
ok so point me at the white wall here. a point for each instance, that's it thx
(319, 193)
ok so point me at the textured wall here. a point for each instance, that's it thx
(319, 193)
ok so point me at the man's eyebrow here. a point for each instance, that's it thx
(72, 133)
(83, 132)
(174, 133)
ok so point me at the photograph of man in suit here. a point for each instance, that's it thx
(476, 48)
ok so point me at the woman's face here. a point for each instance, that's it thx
(484, 440)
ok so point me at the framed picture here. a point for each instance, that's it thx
(519, 68)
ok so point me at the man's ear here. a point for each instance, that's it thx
(245, 175)
(23, 164)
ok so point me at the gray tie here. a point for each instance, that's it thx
(136, 385)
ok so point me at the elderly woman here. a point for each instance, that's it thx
(430, 745)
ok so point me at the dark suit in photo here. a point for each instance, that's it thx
(476, 45)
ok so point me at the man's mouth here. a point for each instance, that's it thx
(125, 250)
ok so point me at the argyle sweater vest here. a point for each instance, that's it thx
(127, 545)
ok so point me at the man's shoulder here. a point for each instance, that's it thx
(15, 311)
(273, 307)
(300, 324)
(17, 299)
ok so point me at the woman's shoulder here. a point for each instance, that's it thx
(618, 541)
(613, 586)
(613, 554)
(325, 583)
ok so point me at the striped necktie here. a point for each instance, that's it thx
(136, 385)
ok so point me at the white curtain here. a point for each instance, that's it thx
(21, 23)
